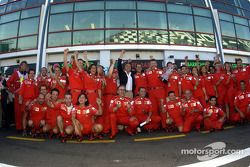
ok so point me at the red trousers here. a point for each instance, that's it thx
(18, 113)
(212, 124)
(178, 120)
(192, 121)
(153, 124)
(115, 120)
(106, 113)
(155, 95)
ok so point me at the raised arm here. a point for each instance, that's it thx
(66, 51)
(119, 65)
(85, 58)
(111, 68)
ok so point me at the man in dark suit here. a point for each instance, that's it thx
(126, 76)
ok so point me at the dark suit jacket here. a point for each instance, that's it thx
(123, 76)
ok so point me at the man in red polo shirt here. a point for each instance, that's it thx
(155, 86)
(76, 81)
(143, 111)
(241, 73)
(121, 113)
(13, 84)
(192, 111)
(140, 79)
(37, 114)
(242, 102)
(28, 92)
(171, 112)
(214, 117)
(43, 78)
(186, 81)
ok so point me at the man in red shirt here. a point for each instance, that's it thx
(214, 117)
(43, 78)
(140, 79)
(76, 81)
(242, 102)
(37, 114)
(28, 92)
(121, 113)
(54, 104)
(172, 84)
(155, 86)
(59, 82)
(171, 112)
(143, 111)
(186, 81)
(110, 91)
(192, 111)
(241, 73)
(64, 119)
(13, 84)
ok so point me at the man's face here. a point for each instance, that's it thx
(138, 68)
(127, 67)
(32, 74)
(57, 71)
(188, 94)
(54, 95)
(121, 91)
(41, 98)
(43, 71)
(43, 90)
(242, 86)
(153, 64)
(239, 64)
(80, 63)
(93, 70)
(171, 96)
(184, 70)
(68, 100)
(23, 67)
(142, 92)
(213, 101)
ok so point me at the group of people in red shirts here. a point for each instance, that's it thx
(73, 101)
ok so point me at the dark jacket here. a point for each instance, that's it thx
(123, 76)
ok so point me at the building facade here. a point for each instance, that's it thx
(39, 30)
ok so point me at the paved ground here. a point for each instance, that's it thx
(157, 149)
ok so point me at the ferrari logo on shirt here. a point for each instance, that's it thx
(170, 106)
(78, 111)
(241, 97)
(87, 111)
(138, 102)
(36, 109)
(248, 95)
(147, 102)
(193, 104)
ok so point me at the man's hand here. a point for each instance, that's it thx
(66, 51)
(122, 54)
(85, 54)
(112, 61)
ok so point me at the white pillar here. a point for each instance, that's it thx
(105, 59)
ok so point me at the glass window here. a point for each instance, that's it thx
(177, 1)
(3, 2)
(30, 13)
(27, 43)
(227, 29)
(98, 5)
(34, 2)
(2, 9)
(28, 26)
(88, 37)
(8, 45)
(202, 12)
(59, 8)
(197, 2)
(121, 36)
(120, 4)
(16, 6)
(203, 24)
(240, 20)
(153, 36)
(242, 32)
(89, 20)
(8, 30)
(227, 17)
(150, 6)
(218, 5)
(245, 4)
(120, 19)
(59, 39)
(156, 20)
(179, 9)
(60, 22)
(232, 9)
(205, 40)
(9, 17)
(181, 38)
(229, 43)
(244, 45)
(180, 22)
